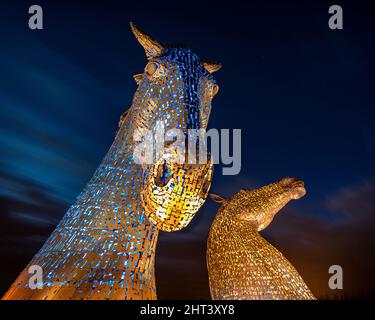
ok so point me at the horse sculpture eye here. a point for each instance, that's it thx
(151, 68)
(215, 89)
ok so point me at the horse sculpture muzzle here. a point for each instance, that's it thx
(174, 193)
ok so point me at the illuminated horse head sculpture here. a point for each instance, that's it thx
(104, 246)
(241, 263)
(176, 89)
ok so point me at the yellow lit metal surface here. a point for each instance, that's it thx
(175, 192)
(243, 265)
(104, 246)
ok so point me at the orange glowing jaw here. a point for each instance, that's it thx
(174, 193)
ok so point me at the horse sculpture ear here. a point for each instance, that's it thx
(151, 46)
(212, 67)
(138, 77)
(217, 198)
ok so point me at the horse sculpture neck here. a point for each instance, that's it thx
(104, 247)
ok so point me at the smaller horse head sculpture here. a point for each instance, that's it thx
(260, 206)
(175, 91)
(242, 264)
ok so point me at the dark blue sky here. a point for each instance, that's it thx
(302, 94)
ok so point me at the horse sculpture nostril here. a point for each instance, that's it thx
(299, 191)
(163, 175)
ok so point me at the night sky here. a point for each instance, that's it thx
(302, 94)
